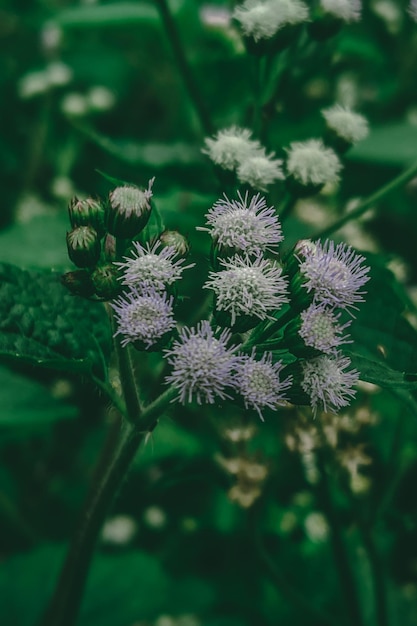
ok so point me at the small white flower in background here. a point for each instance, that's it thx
(143, 317)
(412, 9)
(334, 273)
(58, 74)
(350, 126)
(248, 226)
(316, 527)
(33, 84)
(327, 383)
(119, 530)
(260, 170)
(155, 517)
(259, 382)
(262, 19)
(230, 147)
(346, 10)
(151, 266)
(100, 98)
(320, 329)
(248, 288)
(74, 104)
(215, 16)
(202, 364)
(311, 163)
(51, 37)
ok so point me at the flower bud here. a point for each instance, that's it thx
(88, 212)
(128, 210)
(83, 246)
(174, 239)
(109, 248)
(105, 281)
(79, 283)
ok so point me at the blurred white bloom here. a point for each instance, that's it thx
(74, 105)
(260, 170)
(33, 84)
(391, 13)
(346, 10)
(412, 9)
(310, 162)
(119, 530)
(62, 187)
(350, 126)
(51, 37)
(230, 147)
(262, 19)
(215, 16)
(155, 517)
(316, 527)
(58, 74)
(100, 98)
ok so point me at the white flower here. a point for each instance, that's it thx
(260, 170)
(202, 365)
(151, 266)
(250, 227)
(259, 383)
(311, 163)
(335, 274)
(346, 10)
(348, 125)
(143, 318)
(230, 147)
(320, 329)
(261, 19)
(327, 382)
(412, 9)
(248, 288)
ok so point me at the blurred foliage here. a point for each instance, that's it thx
(91, 90)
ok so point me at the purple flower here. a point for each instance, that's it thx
(151, 266)
(253, 288)
(334, 274)
(320, 329)
(247, 226)
(259, 383)
(327, 382)
(143, 317)
(202, 364)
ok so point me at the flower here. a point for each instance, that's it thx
(310, 162)
(350, 126)
(248, 226)
(143, 317)
(346, 10)
(151, 266)
(250, 288)
(259, 384)
(335, 274)
(202, 364)
(412, 9)
(262, 19)
(260, 170)
(230, 147)
(320, 329)
(128, 210)
(327, 382)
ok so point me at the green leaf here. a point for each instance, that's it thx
(37, 243)
(42, 324)
(105, 15)
(25, 402)
(377, 148)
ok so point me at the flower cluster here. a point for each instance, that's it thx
(233, 149)
(263, 19)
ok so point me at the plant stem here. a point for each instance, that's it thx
(344, 569)
(183, 66)
(400, 180)
(286, 206)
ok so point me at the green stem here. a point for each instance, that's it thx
(378, 578)
(400, 180)
(344, 569)
(65, 604)
(183, 66)
(287, 206)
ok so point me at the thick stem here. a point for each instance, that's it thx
(400, 180)
(183, 66)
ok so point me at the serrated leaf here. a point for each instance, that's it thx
(42, 324)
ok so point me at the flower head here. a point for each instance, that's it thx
(350, 126)
(128, 210)
(202, 365)
(230, 147)
(248, 288)
(259, 383)
(260, 170)
(335, 274)
(152, 266)
(320, 329)
(346, 10)
(327, 382)
(262, 19)
(248, 226)
(143, 318)
(310, 162)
